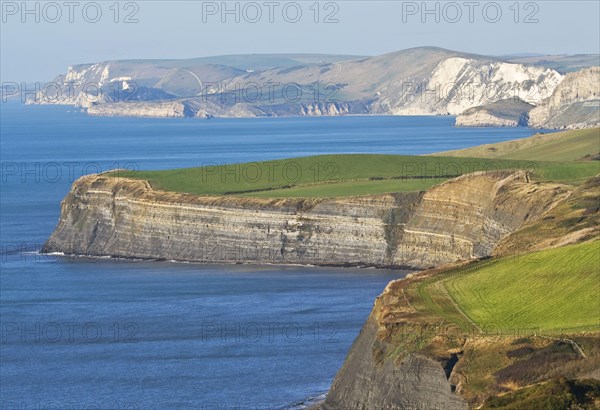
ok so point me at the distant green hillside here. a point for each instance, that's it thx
(558, 146)
(266, 61)
(345, 175)
(246, 61)
(561, 63)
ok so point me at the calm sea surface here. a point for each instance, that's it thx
(95, 333)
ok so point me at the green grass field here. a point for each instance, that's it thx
(345, 175)
(346, 188)
(551, 157)
(558, 146)
(552, 291)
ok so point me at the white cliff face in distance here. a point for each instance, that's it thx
(458, 84)
(575, 103)
(419, 81)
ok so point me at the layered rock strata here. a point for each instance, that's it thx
(461, 219)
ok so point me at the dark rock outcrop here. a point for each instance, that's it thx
(417, 382)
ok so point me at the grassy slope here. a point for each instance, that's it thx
(554, 290)
(555, 395)
(345, 174)
(550, 291)
(559, 146)
(522, 298)
(573, 220)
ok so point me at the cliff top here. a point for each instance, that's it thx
(345, 175)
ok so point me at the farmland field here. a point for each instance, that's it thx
(554, 291)
(346, 175)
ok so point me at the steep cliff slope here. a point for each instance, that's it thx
(369, 381)
(443, 338)
(575, 103)
(513, 112)
(458, 220)
(457, 84)
(575, 219)
(114, 81)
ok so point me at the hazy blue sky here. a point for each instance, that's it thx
(33, 50)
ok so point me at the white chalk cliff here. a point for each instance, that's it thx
(419, 81)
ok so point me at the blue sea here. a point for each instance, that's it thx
(100, 333)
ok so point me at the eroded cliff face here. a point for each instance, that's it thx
(458, 84)
(408, 357)
(575, 103)
(104, 215)
(512, 112)
(464, 218)
(371, 380)
(136, 82)
(156, 109)
(461, 219)
(484, 119)
(168, 109)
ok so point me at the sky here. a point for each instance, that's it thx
(40, 40)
